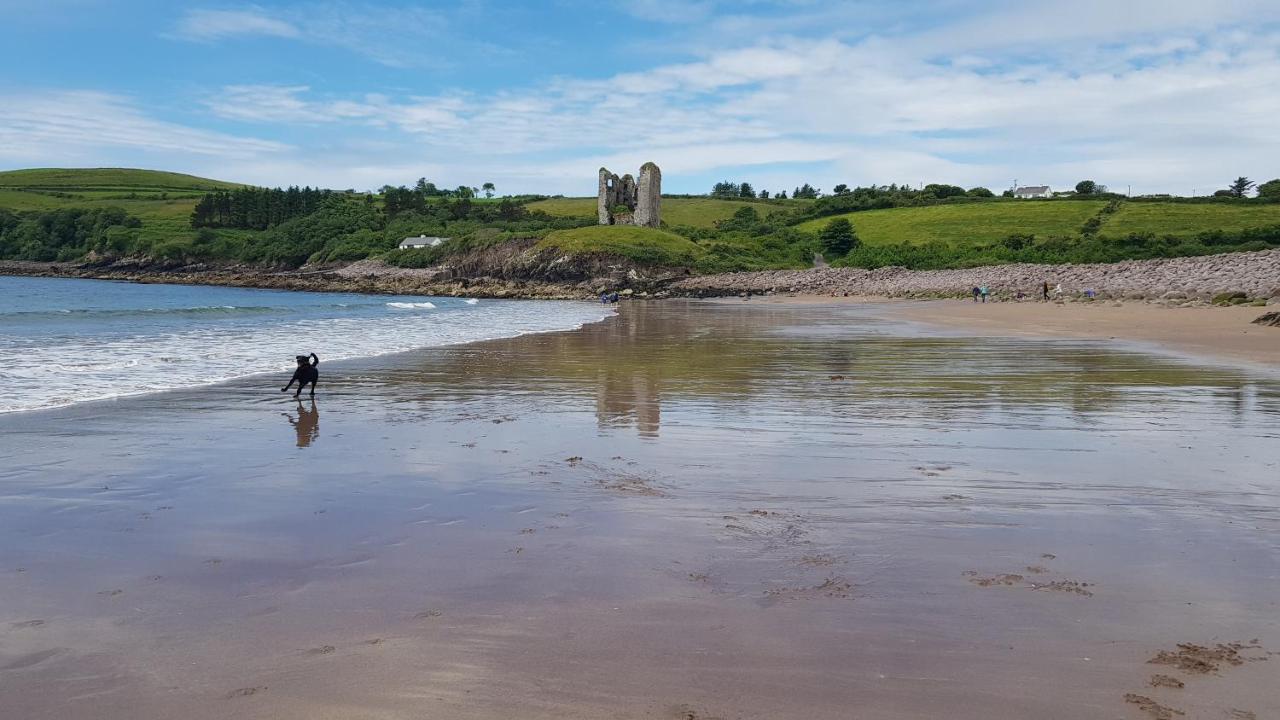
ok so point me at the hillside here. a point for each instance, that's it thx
(676, 212)
(107, 179)
(109, 214)
(646, 246)
(966, 224)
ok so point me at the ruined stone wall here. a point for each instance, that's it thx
(641, 200)
(649, 196)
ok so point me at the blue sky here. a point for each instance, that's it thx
(1169, 96)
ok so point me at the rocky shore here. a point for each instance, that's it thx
(1190, 279)
(1252, 276)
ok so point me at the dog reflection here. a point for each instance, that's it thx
(307, 424)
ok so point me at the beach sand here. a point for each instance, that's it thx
(1218, 333)
(695, 510)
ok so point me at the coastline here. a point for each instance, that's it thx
(1216, 334)
(454, 531)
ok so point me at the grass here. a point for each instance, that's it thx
(1188, 219)
(691, 212)
(119, 179)
(966, 224)
(163, 201)
(643, 245)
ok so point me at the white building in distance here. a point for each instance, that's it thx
(1033, 191)
(422, 241)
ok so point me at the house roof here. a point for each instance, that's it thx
(1031, 189)
(422, 240)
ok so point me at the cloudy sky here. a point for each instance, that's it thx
(1164, 96)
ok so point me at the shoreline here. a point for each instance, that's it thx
(1194, 280)
(1206, 333)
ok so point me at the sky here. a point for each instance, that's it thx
(1154, 96)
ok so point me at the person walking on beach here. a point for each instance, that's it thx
(1045, 291)
(985, 292)
(975, 293)
(306, 373)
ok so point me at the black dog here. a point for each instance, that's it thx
(306, 373)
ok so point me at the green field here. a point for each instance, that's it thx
(108, 179)
(967, 224)
(676, 212)
(644, 245)
(1188, 219)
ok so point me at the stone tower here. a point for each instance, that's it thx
(624, 201)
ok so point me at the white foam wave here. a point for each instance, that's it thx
(412, 305)
(42, 371)
(471, 301)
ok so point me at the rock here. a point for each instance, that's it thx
(1228, 298)
(1271, 319)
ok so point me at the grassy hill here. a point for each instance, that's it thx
(968, 224)
(159, 207)
(644, 245)
(1185, 220)
(107, 180)
(162, 200)
(676, 212)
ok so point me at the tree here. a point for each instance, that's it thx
(941, 191)
(764, 195)
(488, 189)
(725, 189)
(1222, 193)
(782, 195)
(745, 190)
(1241, 186)
(1270, 190)
(838, 238)
(980, 192)
(806, 191)
(465, 192)
(1086, 187)
(841, 189)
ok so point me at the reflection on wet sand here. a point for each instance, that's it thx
(693, 510)
(307, 423)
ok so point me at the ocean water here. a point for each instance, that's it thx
(64, 341)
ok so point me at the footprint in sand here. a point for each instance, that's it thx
(428, 614)
(111, 593)
(246, 692)
(1152, 708)
(322, 650)
(1166, 681)
(26, 624)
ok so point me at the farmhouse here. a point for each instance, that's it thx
(1033, 191)
(421, 241)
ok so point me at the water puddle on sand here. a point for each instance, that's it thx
(694, 510)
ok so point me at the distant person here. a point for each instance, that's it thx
(985, 292)
(976, 292)
(307, 426)
(305, 374)
(1044, 291)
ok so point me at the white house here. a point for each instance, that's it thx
(421, 241)
(1033, 191)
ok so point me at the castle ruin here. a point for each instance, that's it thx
(626, 201)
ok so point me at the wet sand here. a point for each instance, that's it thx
(694, 510)
(1220, 333)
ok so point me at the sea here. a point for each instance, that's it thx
(70, 340)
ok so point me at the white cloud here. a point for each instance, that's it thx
(393, 36)
(46, 127)
(209, 25)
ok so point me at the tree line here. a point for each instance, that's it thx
(252, 208)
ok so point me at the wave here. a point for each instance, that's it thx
(46, 370)
(412, 305)
(471, 301)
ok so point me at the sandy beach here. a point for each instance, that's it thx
(1223, 334)
(693, 510)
